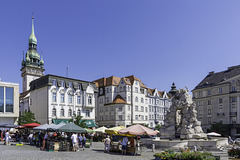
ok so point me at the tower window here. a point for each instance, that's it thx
(54, 82)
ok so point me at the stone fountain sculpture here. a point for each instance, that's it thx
(181, 118)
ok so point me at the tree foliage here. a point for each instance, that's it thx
(220, 128)
(78, 121)
(157, 127)
(27, 117)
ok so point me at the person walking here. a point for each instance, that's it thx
(80, 138)
(7, 137)
(124, 145)
(74, 142)
(84, 142)
(133, 145)
(107, 144)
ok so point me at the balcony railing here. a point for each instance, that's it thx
(220, 114)
(233, 113)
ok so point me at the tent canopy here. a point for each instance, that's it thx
(137, 130)
(101, 129)
(71, 127)
(114, 130)
(8, 126)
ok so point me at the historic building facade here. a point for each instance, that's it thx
(126, 101)
(217, 98)
(9, 103)
(56, 99)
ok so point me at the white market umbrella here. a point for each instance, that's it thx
(100, 130)
(213, 134)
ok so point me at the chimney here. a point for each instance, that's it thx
(211, 73)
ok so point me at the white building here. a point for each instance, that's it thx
(126, 101)
(9, 103)
(54, 99)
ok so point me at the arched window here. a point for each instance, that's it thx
(62, 113)
(78, 112)
(89, 99)
(54, 112)
(69, 113)
(136, 99)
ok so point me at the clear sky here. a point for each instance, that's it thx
(159, 41)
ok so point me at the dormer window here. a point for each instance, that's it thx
(136, 82)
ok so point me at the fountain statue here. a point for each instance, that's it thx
(181, 118)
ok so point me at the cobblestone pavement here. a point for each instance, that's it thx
(96, 152)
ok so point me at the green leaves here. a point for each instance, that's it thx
(27, 117)
(78, 121)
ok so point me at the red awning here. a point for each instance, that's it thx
(31, 125)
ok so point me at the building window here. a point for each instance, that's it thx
(209, 120)
(89, 100)
(101, 91)
(54, 112)
(62, 98)
(233, 88)
(149, 101)
(129, 117)
(106, 109)
(120, 109)
(233, 99)
(136, 89)
(146, 110)
(209, 111)
(220, 90)
(120, 117)
(54, 82)
(1, 99)
(136, 99)
(146, 101)
(69, 113)
(142, 100)
(87, 113)
(78, 99)
(209, 92)
(209, 102)
(142, 108)
(149, 108)
(129, 98)
(70, 84)
(142, 117)
(62, 113)
(136, 117)
(78, 112)
(54, 97)
(136, 108)
(62, 84)
(146, 118)
(69, 98)
(9, 99)
(220, 100)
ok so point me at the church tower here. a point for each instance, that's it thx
(32, 65)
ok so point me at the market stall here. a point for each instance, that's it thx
(136, 130)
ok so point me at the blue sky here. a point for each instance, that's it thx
(159, 41)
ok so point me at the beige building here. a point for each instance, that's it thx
(126, 101)
(217, 98)
(9, 103)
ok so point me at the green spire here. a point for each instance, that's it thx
(41, 61)
(23, 62)
(27, 58)
(32, 38)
